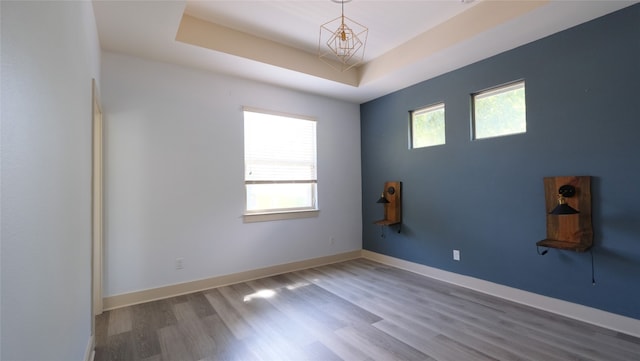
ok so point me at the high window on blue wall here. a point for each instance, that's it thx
(427, 126)
(500, 111)
(280, 162)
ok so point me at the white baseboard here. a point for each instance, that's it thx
(89, 352)
(576, 311)
(627, 325)
(153, 294)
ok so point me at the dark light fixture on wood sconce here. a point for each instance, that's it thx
(382, 199)
(565, 191)
(569, 220)
(392, 201)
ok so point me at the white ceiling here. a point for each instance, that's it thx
(276, 41)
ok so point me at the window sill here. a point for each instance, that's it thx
(278, 216)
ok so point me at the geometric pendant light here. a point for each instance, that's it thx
(342, 41)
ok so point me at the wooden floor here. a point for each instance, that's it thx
(355, 310)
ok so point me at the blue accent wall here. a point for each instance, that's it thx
(486, 197)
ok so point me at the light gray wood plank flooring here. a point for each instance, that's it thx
(355, 310)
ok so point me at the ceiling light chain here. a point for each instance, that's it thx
(342, 41)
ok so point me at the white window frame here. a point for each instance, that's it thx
(278, 213)
(427, 109)
(493, 92)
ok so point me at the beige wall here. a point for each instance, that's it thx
(175, 177)
(50, 53)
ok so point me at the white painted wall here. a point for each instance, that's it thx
(174, 176)
(50, 53)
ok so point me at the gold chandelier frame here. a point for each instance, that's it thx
(342, 41)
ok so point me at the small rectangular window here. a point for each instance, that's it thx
(427, 126)
(499, 111)
(280, 162)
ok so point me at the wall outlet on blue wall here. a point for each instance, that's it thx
(456, 255)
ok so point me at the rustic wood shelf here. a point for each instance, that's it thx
(386, 222)
(570, 246)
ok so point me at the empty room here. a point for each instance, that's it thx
(319, 180)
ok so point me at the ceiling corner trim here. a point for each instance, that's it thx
(215, 37)
(482, 17)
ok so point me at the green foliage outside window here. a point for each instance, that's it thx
(500, 112)
(427, 127)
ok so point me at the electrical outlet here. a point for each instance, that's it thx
(332, 240)
(456, 255)
(179, 263)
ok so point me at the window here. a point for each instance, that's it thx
(500, 111)
(427, 126)
(280, 163)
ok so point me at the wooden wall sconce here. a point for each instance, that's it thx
(391, 198)
(568, 202)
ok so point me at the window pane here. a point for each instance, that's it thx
(500, 111)
(281, 196)
(280, 162)
(427, 126)
(279, 147)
